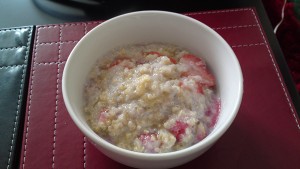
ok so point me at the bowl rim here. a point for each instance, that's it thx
(211, 138)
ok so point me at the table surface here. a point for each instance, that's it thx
(39, 12)
(15, 13)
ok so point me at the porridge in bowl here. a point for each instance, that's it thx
(152, 98)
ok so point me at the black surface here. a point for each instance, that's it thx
(14, 67)
(38, 12)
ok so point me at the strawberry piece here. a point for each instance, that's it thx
(200, 88)
(174, 61)
(208, 112)
(209, 79)
(180, 84)
(197, 67)
(215, 111)
(178, 129)
(194, 60)
(153, 53)
(213, 120)
(117, 62)
(184, 74)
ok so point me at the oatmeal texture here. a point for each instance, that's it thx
(152, 98)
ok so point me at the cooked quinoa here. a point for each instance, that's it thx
(152, 98)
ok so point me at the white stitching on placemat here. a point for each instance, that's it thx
(48, 26)
(94, 22)
(50, 63)
(29, 105)
(85, 28)
(56, 97)
(277, 72)
(219, 11)
(73, 24)
(19, 98)
(43, 27)
(84, 152)
(235, 27)
(55, 117)
(84, 139)
(248, 45)
(51, 43)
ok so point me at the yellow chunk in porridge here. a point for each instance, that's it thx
(143, 83)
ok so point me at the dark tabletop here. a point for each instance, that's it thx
(16, 13)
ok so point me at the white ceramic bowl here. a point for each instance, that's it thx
(146, 27)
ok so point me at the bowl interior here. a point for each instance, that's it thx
(147, 27)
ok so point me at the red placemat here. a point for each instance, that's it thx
(265, 133)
